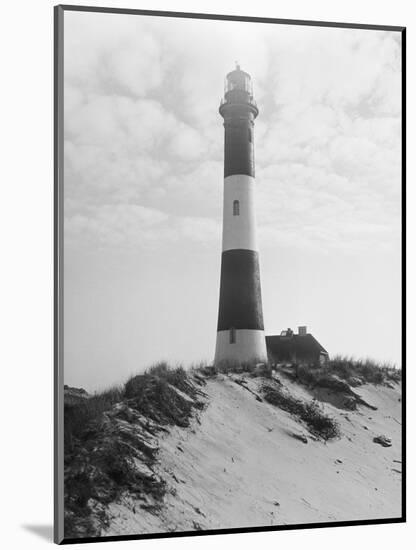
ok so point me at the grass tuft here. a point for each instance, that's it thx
(111, 443)
(348, 370)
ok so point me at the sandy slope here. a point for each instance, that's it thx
(239, 466)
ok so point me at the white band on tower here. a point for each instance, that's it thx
(239, 219)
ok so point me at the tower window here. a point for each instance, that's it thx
(232, 336)
(236, 208)
(250, 135)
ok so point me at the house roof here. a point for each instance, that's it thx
(303, 345)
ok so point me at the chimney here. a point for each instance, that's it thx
(302, 331)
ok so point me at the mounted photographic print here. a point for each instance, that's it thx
(229, 199)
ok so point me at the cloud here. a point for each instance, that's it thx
(144, 137)
(133, 226)
(305, 206)
(187, 143)
(113, 225)
(111, 55)
(338, 67)
(116, 147)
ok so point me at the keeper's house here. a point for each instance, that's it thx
(302, 347)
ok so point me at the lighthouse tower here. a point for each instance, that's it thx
(240, 332)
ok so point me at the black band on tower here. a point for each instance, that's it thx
(240, 291)
(238, 148)
(238, 110)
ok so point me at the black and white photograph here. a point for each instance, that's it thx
(229, 238)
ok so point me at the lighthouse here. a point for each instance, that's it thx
(240, 329)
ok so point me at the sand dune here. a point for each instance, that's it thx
(239, 464)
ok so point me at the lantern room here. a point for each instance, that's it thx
(238, 94)
(238, 80)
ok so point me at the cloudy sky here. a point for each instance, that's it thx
(143, 187)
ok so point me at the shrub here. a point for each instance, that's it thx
(160, 371)
(348, 370)
(78, 417)
(153, 394)
(282, 399)
(155, 398)
(102, 450)
(368, 370)
(320, 423)
(323, 378)
(311, 413)
(238, 367)
(395, 375)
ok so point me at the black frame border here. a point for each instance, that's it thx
(58, 271)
